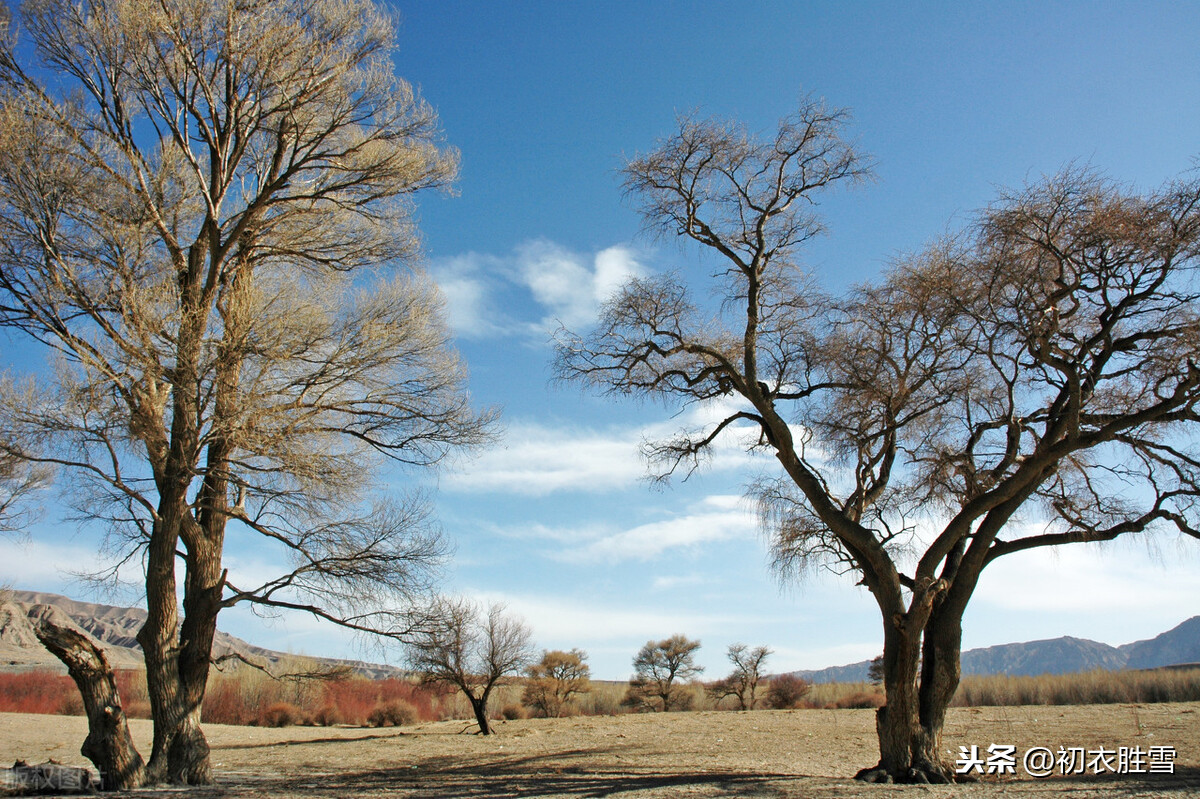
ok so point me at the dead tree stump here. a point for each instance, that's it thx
(108, 745)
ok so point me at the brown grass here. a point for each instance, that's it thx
(1086, 688)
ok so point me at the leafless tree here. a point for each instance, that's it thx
(747, 672)
(1030, 383)
(473, 651)
(553, 681)
(658, 669)
(201, 211)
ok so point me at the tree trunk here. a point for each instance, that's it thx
(480, 707)
(178, 655)
(910, 724)
(940, 675)
(159, 639)
(108, 744)
(907, 748)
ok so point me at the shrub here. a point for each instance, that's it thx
(38, 691)
(787, 691)
(280, 714)
(394, 713)
(861, 699)
(328, 716)
(513, 712)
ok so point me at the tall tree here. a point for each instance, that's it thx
(461, 646)
(659, 667)
(1042, 363)
(187, 201)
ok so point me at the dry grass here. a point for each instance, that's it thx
(703, 755)
(1087, 688)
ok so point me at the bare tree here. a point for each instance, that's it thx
(658, 668)
(553, 681)
(747, 672)
(190, 207)
(461, 646)
(1030, 383)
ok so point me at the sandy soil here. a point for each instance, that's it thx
(803, 753)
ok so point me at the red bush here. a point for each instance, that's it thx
(39, 692)
(355, 698)
(230, 698)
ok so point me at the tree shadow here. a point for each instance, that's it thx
(531, 777)
(302, 741)
(1185, 778)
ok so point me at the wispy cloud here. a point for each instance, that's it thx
(554, 620)
(536, 459)
(675, 582)
(714, 519)
(532, 290)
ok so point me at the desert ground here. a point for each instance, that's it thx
(799, 753)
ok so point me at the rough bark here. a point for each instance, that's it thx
(480, 707)
(108, 744)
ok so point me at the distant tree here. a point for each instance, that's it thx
(206, 216)
(785, 691)
(658, 668)
(875, 670)
(1042, 366)
(460, 645)
(554, 680)
(743, 682)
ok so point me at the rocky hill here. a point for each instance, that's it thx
(115, 630)
(1178, 645)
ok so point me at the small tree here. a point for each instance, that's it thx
(875, 670)
(747, 671)
(659, 665)
(473, 651)
(786, 690)
(554, 680)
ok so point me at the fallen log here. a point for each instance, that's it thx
(46, 779)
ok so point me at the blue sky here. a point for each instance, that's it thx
(545, 100)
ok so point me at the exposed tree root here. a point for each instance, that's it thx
(921, 773)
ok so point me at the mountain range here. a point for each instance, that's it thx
(115, 628)
(1177, 646)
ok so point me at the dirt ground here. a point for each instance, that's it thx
(801, 753)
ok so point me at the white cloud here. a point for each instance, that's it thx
(536, 459)
(534, 289)
(671, 583)
(567, 286)
(46, 565)
(469, 283)
(1118, 579)
(713, 519)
